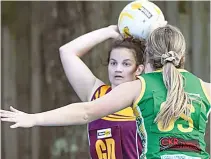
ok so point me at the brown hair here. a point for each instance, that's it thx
(136, 46)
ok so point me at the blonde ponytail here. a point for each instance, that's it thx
(177, 99)
(165, 49)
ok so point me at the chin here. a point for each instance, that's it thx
(118, 82)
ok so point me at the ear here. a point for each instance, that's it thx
(139, 70)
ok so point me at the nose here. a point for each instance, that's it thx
(119, 68)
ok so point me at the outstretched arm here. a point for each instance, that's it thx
(79, 75)
(78, 113)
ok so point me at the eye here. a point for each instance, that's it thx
(127, 64)
(113, 63)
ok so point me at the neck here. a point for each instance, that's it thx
(113, 86)
(148, 68)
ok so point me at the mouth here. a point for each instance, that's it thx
(118, 77)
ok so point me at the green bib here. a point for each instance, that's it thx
(184, 137)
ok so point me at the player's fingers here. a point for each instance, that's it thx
(6, 112)
(6, 115)
(15, 125)
(8, 119)
(14, 110)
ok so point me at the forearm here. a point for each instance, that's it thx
(84, 43)
(77, 113)
(73, 114)
(70, 55)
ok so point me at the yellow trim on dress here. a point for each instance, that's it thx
(120, 117)
(205, 92)
(116, 119)
(125, 112)
(143, 88)
(103, 90)
(97, 94)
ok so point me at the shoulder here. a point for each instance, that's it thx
(133, 89)
(208, 88)
(99, 90)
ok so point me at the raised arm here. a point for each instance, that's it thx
(79, 75)
(78, 113)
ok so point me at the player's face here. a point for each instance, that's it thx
(122, 66)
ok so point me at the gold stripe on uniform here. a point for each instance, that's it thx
(97, 94)
(114, 119)
(121, 117)
(125, 112)
(103, 90)
(143, 87)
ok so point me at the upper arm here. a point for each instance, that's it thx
(117, 99)
(79, 75)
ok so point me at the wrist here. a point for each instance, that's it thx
(108, 31)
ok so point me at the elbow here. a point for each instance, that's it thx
(87, 117)
(62, 49)
(67, 50)
(91, 113)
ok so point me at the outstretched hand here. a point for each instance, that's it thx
(20, 118)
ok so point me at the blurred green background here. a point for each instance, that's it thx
(33, 79)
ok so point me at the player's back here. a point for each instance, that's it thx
(184, 136)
